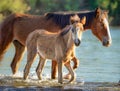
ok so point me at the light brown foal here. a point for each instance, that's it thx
(55, 46)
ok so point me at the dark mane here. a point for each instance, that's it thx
(62, 19)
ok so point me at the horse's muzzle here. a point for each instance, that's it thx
(77, 42)
(106, 42)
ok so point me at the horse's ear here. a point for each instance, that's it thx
(71, 19)
(97, 12)
(106, 12)
(83, 20)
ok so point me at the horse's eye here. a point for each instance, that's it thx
(72, 30)
(101, 20)
(76, 21)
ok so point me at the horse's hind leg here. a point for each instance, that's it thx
(68, 66)
(40, 68)
(60, 79)
(19, 51)
(54, 69)
(31, 54)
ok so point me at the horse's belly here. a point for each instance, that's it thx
(46, 52)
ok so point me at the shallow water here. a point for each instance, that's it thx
(97, 63)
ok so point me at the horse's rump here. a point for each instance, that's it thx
(6, 33)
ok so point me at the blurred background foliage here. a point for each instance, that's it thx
(42, 6)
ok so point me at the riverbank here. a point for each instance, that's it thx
(89, 86)
(9, 83)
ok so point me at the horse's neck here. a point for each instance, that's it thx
(67, 39)
(63, 19)
(89, 18)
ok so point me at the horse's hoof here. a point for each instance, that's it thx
(53, 77)
(60, 82)
(25, 77)
(75, 67)
(72, 79)
(39, 77)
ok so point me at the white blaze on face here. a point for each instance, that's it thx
(75, 35)
(108, 29)
(78, 33)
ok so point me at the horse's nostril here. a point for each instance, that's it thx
(106, 43)
(77, 42)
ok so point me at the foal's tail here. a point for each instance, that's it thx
(6, 34)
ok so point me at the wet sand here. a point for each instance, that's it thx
(86, 87)
(9, 83)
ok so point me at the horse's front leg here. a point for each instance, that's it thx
(75, 61)
(76, 64)
(31, 54)
(40, 68)
(68, 66)
(60, 79)
(19, 51)
(54, 69)
(67, 76)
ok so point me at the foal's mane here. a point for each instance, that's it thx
(62, 19)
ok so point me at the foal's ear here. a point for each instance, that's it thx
(83, 20)
(97, 12)
(71, 20)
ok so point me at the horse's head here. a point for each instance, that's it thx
(100, 27)
(77, 28)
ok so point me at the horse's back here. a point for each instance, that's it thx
(44, 42)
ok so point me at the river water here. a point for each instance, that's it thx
(97, 63)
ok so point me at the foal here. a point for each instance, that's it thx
(55, 46)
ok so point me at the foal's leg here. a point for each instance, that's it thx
(75, 60)
(70, 71)
(19, 51)
(54, 66)
(30, 58)
(76, 63)
(40, 67)
(60, 79)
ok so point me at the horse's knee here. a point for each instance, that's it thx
(76, 62)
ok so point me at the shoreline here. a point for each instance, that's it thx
(88, 86)
(9, 83)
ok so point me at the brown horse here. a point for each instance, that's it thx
(16, 27)
(55, 46)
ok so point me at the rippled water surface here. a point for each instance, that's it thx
(97, 63)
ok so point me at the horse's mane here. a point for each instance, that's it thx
(62, 19)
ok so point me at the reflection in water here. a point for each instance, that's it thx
(97, 63)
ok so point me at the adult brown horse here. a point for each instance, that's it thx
(16, 27)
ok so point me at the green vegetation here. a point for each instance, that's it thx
(11, 6)
(42, 6)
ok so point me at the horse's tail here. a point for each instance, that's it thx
(6, 34)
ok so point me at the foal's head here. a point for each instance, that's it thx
(77, 28)
(100, 27)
